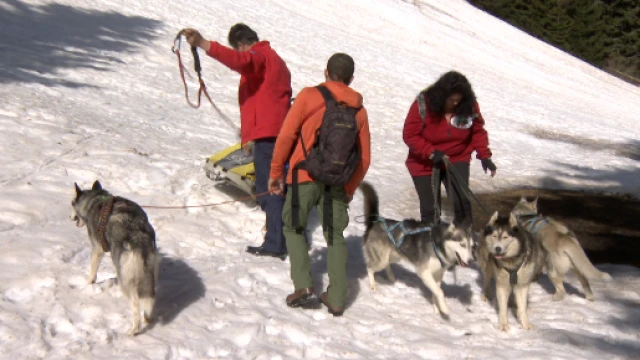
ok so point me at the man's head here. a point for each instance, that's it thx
(241, 37)
(340, 68)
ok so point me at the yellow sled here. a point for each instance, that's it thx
(234, 165)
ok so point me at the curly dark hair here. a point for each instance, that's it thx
(449, 83)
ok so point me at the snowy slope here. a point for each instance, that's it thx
(90, 90)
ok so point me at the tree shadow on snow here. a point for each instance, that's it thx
(179, 286)
(41, 41)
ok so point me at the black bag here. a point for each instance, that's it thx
(333, 158)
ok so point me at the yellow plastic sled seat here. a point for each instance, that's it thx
(235, 165)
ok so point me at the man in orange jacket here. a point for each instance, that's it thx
(304, 119)
(264, 96)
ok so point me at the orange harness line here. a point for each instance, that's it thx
(203, 87)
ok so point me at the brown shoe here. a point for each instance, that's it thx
(301, 298)
(334, 310)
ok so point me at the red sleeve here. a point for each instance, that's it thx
(479, 136)
(412, 134)
(244, 62)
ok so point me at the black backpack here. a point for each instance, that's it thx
(334, 157)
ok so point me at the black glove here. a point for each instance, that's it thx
(437, 157)
(488, 164)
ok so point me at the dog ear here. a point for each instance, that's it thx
(96, 185)
(493, 219)
(513, 221)
(78, 190)
(451, 229)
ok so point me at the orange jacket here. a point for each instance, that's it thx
(306, 115)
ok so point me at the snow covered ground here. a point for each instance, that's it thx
(90, 90)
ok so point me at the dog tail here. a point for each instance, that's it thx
(139, 275)
(371, 203)
(581, 262)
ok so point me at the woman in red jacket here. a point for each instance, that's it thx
(445, 122)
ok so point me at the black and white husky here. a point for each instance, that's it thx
(120, 226)
(431, 249)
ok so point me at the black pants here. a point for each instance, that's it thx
(461, 205)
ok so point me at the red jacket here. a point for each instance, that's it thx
(264, 93)
(439, 134)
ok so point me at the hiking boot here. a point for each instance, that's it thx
(261, 251)
(301, 298)
(334, 310)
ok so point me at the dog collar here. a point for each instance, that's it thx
(439, 255)
(105, 213)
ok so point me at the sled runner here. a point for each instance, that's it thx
(233, 165)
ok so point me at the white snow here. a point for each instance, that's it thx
(90, 90)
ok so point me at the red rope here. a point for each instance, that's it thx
(201, 90)
(207, 205)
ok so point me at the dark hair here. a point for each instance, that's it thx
(241, 34)
(449, 83)
(341, 67)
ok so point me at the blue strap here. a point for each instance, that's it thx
(534, 224)
(398, 242)
(439, 255)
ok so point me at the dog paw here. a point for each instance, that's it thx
(484, 298)
(445, 312)
(503, 327)
(134, 331)
(528, 326)
(373, 287)
(557, 296)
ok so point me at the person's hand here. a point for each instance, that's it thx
(194, 38)
(488, 164)
(276, 186)
(438, 156)
(348, 198)
(247, 147)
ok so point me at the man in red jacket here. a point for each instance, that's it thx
(264, 96)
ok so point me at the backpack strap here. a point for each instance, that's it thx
(326, 94)
(422, 109)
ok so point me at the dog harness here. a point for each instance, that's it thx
(404, 232)
(532, 222)
(513, 274)
(105, 213)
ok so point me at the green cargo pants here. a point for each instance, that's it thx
(312, 194)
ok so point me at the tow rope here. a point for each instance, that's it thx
(196, 65)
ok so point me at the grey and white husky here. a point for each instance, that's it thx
(563, 249)
(120, 226)
(431, 249)
(510, 255)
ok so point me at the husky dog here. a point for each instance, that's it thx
(121, 226)
(508, 254)
(563, 249)
(432, 250)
